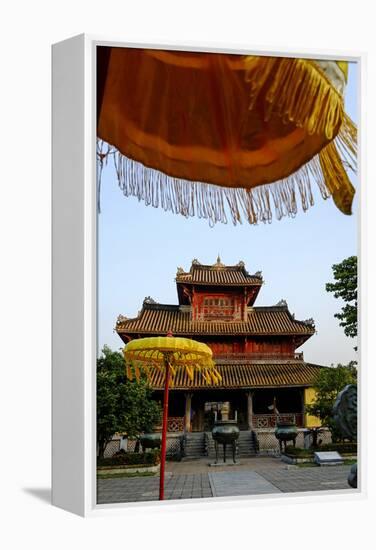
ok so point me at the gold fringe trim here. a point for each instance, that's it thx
(298, 91)
(218, 204)
(336, 178)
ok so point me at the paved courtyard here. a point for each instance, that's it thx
(196, 479)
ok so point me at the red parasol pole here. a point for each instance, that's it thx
(164, 430)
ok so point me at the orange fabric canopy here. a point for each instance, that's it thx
(234, 121)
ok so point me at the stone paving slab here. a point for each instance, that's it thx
(268, 480)
(201, 465)
(225, 484)
(139, 489)
(308, 479)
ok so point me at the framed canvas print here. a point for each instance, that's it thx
(205, 274)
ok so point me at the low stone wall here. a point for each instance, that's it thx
(112, 447)
(172, 445)
(128, 469)
(268, 443)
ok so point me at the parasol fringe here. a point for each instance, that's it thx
(218, 204)
(298, 91)
(336, 178)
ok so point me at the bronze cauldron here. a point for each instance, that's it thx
(225, 432)
(150, 441)
(284, 432)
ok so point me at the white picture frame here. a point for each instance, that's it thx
(74, 287)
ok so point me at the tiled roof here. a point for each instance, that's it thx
(160, 318)
(257, 375)
(218, 274)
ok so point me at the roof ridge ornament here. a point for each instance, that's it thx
(149, 300)
(282, 303)
(121, 319)
(309, 322)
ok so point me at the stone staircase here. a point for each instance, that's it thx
(199, 444)
(194, 445)
(245, 446)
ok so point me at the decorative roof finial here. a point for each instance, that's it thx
(218, 262)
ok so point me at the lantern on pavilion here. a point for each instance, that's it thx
(210, 133)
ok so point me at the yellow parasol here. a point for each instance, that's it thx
(168, 353)
(203, 133)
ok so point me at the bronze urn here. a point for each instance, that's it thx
(150, 441)
(225, 432)
(284, 432)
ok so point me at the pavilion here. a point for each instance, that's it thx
(264, 377)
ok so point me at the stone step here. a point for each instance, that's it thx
(240, 448)
(195, 446)
(245, 446)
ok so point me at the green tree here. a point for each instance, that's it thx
(122, 405)
(330, 381)
(346, 287)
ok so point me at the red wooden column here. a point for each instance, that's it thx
(250, 409)
(164, 430)
(187, 415)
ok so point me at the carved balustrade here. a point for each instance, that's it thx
(260, 421)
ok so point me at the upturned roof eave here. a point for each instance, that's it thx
(129, 330)
(213, 283)
(251, 376)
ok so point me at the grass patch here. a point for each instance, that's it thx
(341, 448)
(347, 462)
(124, 474)
(298, 452)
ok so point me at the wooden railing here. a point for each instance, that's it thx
(270, 420)
(174, 424)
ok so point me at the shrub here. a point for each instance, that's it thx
(341, 448)
(298, 452)
(347, 447)
(121, 458)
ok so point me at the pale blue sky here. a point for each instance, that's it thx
(139, 249)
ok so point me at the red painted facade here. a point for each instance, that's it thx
(226, 304)
(218, 306)
(279, 347)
